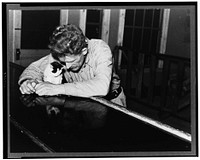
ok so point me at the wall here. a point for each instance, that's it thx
(114, 24)
(74, 16)
(178, 40)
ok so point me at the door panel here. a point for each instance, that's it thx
(37, 26)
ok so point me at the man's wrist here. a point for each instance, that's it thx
(61, 89)
(24, 80)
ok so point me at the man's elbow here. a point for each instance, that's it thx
(103, 89)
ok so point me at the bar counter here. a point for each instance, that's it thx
(64, 126)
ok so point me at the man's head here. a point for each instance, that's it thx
(69, 45)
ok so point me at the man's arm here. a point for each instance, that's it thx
(97, 86)
(32, 75)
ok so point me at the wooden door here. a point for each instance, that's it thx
(31, 32)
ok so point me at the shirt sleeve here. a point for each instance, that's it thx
(34, 70)
(99, 84)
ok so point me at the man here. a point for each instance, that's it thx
(88, 68)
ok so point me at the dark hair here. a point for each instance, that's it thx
(67, 39)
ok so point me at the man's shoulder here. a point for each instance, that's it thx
(98, 48)
(98, 45)
(97, 42)
(43, 61)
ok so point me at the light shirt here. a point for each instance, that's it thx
(93, 79)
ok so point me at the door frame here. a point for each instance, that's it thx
(14, 31)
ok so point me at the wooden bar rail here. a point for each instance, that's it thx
(176, 132)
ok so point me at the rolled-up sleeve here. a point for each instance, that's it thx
(102, 70)
(35, 70)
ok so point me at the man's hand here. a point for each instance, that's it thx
(28, 86)
(49, 89)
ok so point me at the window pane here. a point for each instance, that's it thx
(93, 16)
(92, 31)
(147, 59)
(127, 42)
(123, 62)
(156, 18)
(146, 40)
(154, 41)
(139, 33)
(148, 18)
(37, 26)
(137, 39)
(35, 39)
(129, 17)
(93, 23)
(139, 17)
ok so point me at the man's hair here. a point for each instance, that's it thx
(67, 39)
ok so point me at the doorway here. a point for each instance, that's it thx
(31, 30)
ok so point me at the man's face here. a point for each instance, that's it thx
(74, 62)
